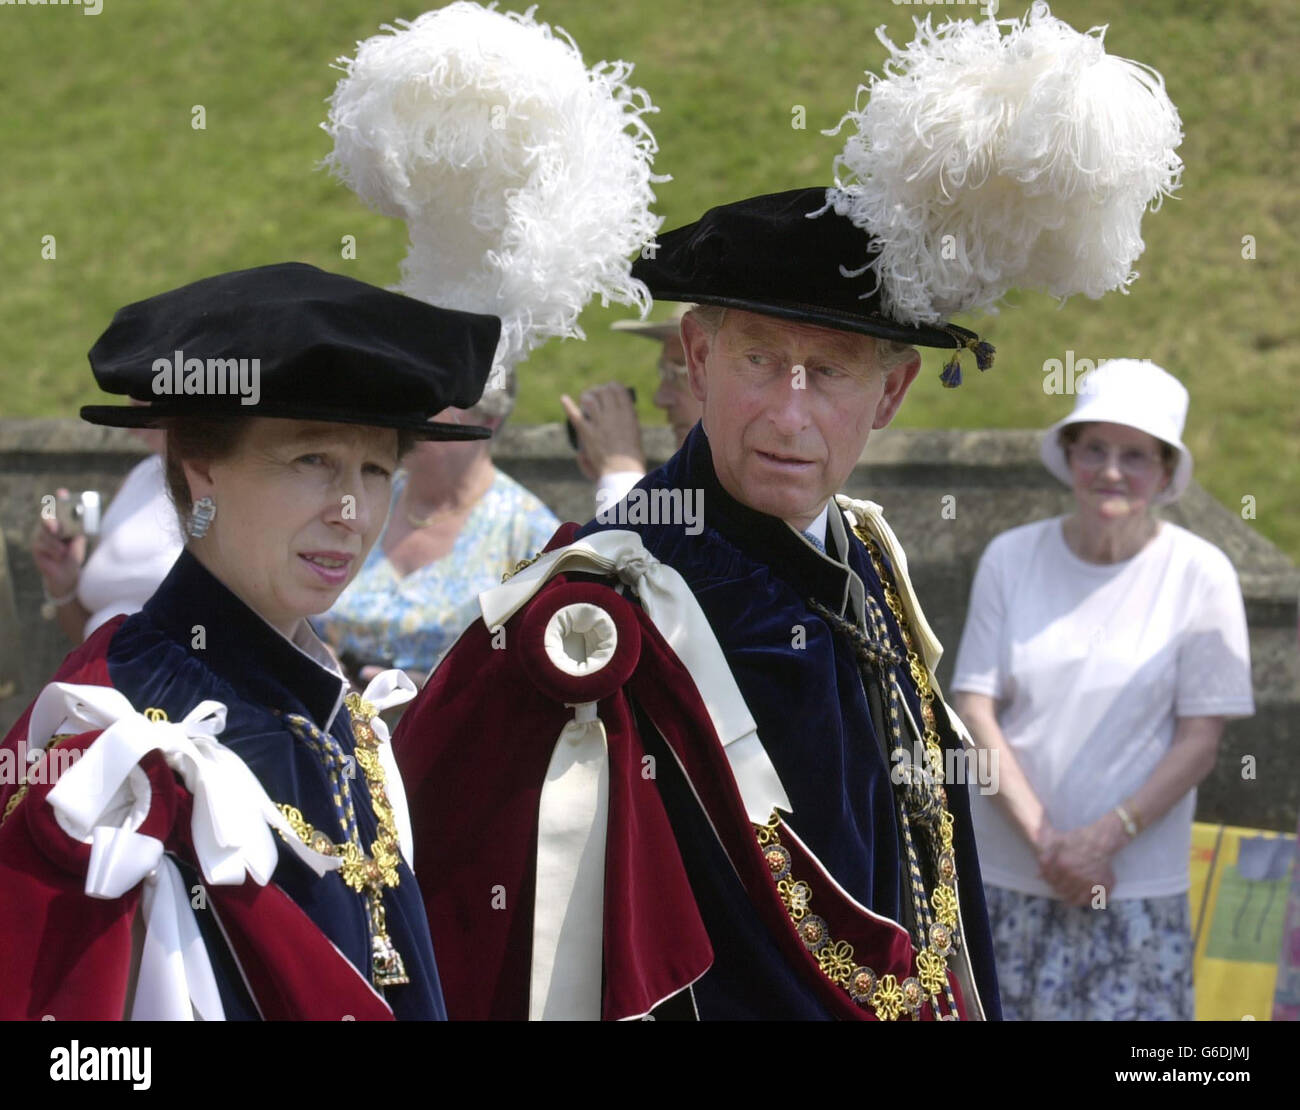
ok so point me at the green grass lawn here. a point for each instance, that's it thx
(97, 150)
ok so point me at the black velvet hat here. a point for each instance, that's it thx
(293, 342)
(766, 255)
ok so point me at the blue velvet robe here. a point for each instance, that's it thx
(259, 676)
(754, 576)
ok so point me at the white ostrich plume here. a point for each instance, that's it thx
(523, 176)
(985, 162)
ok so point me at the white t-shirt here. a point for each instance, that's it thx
(139, 540)
(1090, 666)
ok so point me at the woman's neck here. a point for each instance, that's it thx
(1109, 541)
(287, 624)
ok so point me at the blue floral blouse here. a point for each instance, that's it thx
(411, 622)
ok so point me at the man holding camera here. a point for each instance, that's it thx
(604, 425)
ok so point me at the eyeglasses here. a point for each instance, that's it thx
(1132, 461)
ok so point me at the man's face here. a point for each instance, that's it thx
(674, 394)
(788, 407)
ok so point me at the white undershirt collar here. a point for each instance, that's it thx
(818, 527)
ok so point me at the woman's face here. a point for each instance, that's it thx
(1117, 471)
(299, 506)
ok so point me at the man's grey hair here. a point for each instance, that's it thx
(889, 353)
(497, 402)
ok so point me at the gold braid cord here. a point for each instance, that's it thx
(16, 798)
(923, 813)
(370, 875)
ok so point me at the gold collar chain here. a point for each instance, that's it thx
(368, 875)
(936, 915)
(938, 919)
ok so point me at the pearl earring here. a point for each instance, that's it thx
(201, 517)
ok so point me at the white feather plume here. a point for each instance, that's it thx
(523, 176)
(1035, 150)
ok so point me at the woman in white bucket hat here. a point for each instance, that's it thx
(1103, 651)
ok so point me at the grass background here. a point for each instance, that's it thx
(96, 148)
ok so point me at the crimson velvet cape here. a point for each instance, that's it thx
(688, 901)
(298, 947)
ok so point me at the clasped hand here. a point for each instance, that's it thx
(1077, 862)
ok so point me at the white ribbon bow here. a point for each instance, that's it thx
(175, 981)
(103, 798)
(568, 910)
(673, 610)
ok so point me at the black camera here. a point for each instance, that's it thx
(573, 432)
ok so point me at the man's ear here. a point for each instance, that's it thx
(897, 383)
(696, 344)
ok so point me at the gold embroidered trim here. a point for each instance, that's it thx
(922, 800)
(523, 564)
(886, 996)
(18, 795)
(14, 802)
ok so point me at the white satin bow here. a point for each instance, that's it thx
(103, 798)
(673, 610)
(573, 812)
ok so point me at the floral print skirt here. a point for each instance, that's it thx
(1131, 961)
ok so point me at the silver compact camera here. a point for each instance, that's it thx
(77, 514)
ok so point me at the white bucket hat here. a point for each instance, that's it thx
(1138, 394)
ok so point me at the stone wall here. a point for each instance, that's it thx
(946, 493)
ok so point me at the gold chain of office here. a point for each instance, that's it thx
(368, 875)
(936, 910)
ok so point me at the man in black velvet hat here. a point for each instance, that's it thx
(822, 829)
(835, 875)
(795, 365)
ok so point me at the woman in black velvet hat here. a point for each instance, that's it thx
(211, 826)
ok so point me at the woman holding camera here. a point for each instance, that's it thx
(136, 543)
